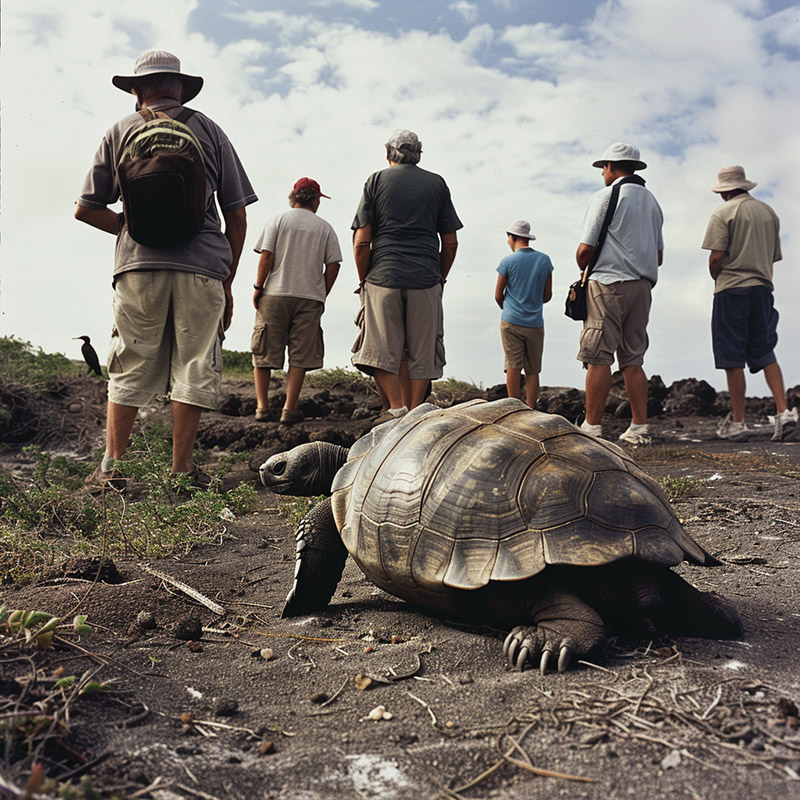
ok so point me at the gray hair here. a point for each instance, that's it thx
(405, 154)
(148, 85)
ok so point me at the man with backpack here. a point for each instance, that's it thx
(173, 265)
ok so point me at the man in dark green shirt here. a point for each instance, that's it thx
(404, 243)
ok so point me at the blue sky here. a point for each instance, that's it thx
(512, 101)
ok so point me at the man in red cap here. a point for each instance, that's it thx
(298, 264)
(171, 303)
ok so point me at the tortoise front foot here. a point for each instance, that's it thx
(563, 627)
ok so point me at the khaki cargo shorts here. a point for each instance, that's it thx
(167, 338)
(522, 346)
(397, 325)
(288, 322)
(616, 323)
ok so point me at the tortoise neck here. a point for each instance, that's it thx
(332, 458)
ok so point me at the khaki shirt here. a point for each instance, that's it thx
(747, 231)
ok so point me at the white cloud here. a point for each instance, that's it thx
(511, 116)
(467, 10)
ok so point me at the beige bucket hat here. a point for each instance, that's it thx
(730, 178)
(153, 62)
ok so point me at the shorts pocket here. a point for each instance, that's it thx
(590, 342)
(113, 362)
(258, 341)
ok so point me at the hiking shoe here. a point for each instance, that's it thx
(636, 434)
(291, 415)
(99, 481)
(592, 430)
(389, 415)
(735, 431)
(262, 415)
(785, 425)
(197, 478)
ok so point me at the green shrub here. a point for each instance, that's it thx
(22, 362)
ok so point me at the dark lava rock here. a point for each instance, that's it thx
(87, 569)
(189, 629)
(691, 396)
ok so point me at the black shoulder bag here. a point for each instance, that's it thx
(575, 307)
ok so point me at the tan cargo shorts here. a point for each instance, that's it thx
(288, 322)
(397, 325)
(167, 338)
(522, 346)
(616, 324)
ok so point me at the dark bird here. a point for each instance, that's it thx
(90, 356)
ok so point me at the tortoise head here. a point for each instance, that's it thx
(306, 470)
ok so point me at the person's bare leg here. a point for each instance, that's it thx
(636, 387)
(419, 391)
(406, 393)
(737, 386)
(294, 383)
(119, 424)
(513, 382)
(774, 378)
(261, 376)
(389, 387)
(531, 389)
(598, 385)
(185, 419)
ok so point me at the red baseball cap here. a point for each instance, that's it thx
(308, 183)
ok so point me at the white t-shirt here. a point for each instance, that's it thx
(634, 237)
(301, 243)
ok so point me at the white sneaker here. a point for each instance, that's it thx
(593, 430)
(636, 434)
(735, 431)
(785, 425)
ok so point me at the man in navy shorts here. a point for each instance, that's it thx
(743, 237)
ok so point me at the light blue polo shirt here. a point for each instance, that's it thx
(526, 272)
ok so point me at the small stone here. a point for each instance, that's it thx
(362, 682)
(266, 748)
(186, 717)
(396, 639)
(146, 620)
(319, 697)
(449, 724)
(266, 653)
(378, 713)
(369, 649)
(189, 629)
(195, 647)
(671, 760)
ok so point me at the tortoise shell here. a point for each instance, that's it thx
(448, 499)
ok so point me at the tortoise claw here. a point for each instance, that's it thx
(522, 658)
(564, 658)
(545, 660)
(510, 649)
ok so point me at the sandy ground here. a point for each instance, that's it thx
(261, 707)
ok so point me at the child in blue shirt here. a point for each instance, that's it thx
(524, 284)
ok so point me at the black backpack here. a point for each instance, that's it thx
(162, 180)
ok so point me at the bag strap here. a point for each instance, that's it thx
(148, 115)
(612, 207)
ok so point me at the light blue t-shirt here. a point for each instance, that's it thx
(526, 272)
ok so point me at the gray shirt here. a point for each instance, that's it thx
(209, 252)
(408, 208)
(634, 237)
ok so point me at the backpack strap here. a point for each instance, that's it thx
(612, 207)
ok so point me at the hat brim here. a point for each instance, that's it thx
(519, 235)
(729, 187)
(192, 84)
(637, 164)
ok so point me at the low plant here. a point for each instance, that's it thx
(339, 378)
(293, 509)
(678, 488)
(22, 362)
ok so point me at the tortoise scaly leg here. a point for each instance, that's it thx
(563, 625)
(319, 562)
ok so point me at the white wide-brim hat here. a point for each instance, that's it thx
(730, 178)
(158, 61)
(521, 228)
(620, 151)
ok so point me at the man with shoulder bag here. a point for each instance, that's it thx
(621, 276)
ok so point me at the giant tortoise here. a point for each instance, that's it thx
(496, 514)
